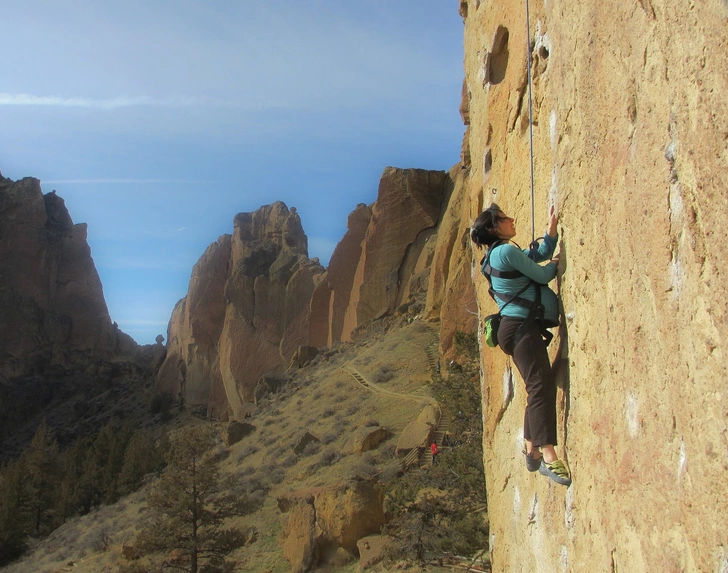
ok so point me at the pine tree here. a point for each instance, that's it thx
(13, 518)
(40, 464)
(141, 457)
(69, 492)
(189, 506)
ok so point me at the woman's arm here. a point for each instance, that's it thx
(548, 246)
(515, 258)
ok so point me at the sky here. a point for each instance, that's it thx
(159, 120)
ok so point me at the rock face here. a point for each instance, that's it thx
(299, 536)
(325, 520)
(52, 307)
(408, 205)
(255, 297)
(630, 124)
(245, 314)
(404, 252)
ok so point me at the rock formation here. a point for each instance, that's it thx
(245, 314)
(255, 297)
(405, 251)
(630, 123)
(52, 307)
(323, 521)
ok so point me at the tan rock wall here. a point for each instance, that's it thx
(631, 143)
(246, 312)
(409, 201)
(450, 290)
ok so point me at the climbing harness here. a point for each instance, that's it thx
(536, 310)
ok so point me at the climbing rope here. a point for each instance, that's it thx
(530, 126)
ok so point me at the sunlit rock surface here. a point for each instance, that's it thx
(630, 131)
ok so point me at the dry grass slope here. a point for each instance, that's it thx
(322, 399)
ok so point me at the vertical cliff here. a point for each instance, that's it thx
(245, 313)
(52, 308)
(631, 143)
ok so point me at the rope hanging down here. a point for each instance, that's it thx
(533, 247)
(530, 124)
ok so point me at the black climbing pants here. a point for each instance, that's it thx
(532, 361)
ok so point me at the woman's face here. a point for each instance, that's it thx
(506, 226)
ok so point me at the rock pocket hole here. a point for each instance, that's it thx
(487, 161)
(499, 56)
(543, 52)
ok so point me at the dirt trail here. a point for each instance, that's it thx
(377, 389)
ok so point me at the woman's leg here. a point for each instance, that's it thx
(532, 361)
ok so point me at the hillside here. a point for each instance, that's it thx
(322, 398)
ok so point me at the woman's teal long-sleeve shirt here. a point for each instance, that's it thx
(507, 257)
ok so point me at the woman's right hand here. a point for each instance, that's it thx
(553, 220)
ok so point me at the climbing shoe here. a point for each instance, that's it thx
(556, 471)
(532, 464)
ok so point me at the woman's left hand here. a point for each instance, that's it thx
(553, 220)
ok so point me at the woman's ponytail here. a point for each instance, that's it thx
(483, 232)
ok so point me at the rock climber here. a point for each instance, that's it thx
(522, 336)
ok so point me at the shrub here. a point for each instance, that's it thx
(384, 374)
(311, 448)
(328, 412)
(329, 456)
(248, 450)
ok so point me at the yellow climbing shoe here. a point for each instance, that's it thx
(555, 471)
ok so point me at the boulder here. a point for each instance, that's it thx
(344, 513)
(236, 431)
(366, 439)
(418, 433)
(340, 557)
(270, 383)
(348, 511)
(303, 441)
(299, 538)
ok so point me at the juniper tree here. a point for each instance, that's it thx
(189, 504)
(141, 457)
(40, 464)
(13, 522)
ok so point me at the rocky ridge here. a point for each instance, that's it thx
(53, 310)
(255, 297)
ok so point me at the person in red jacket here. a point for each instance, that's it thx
(434, 450)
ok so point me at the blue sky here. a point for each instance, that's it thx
(158, 120)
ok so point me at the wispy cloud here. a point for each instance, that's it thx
(123, 181)
(84, 102)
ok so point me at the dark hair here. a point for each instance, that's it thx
(483, 230)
